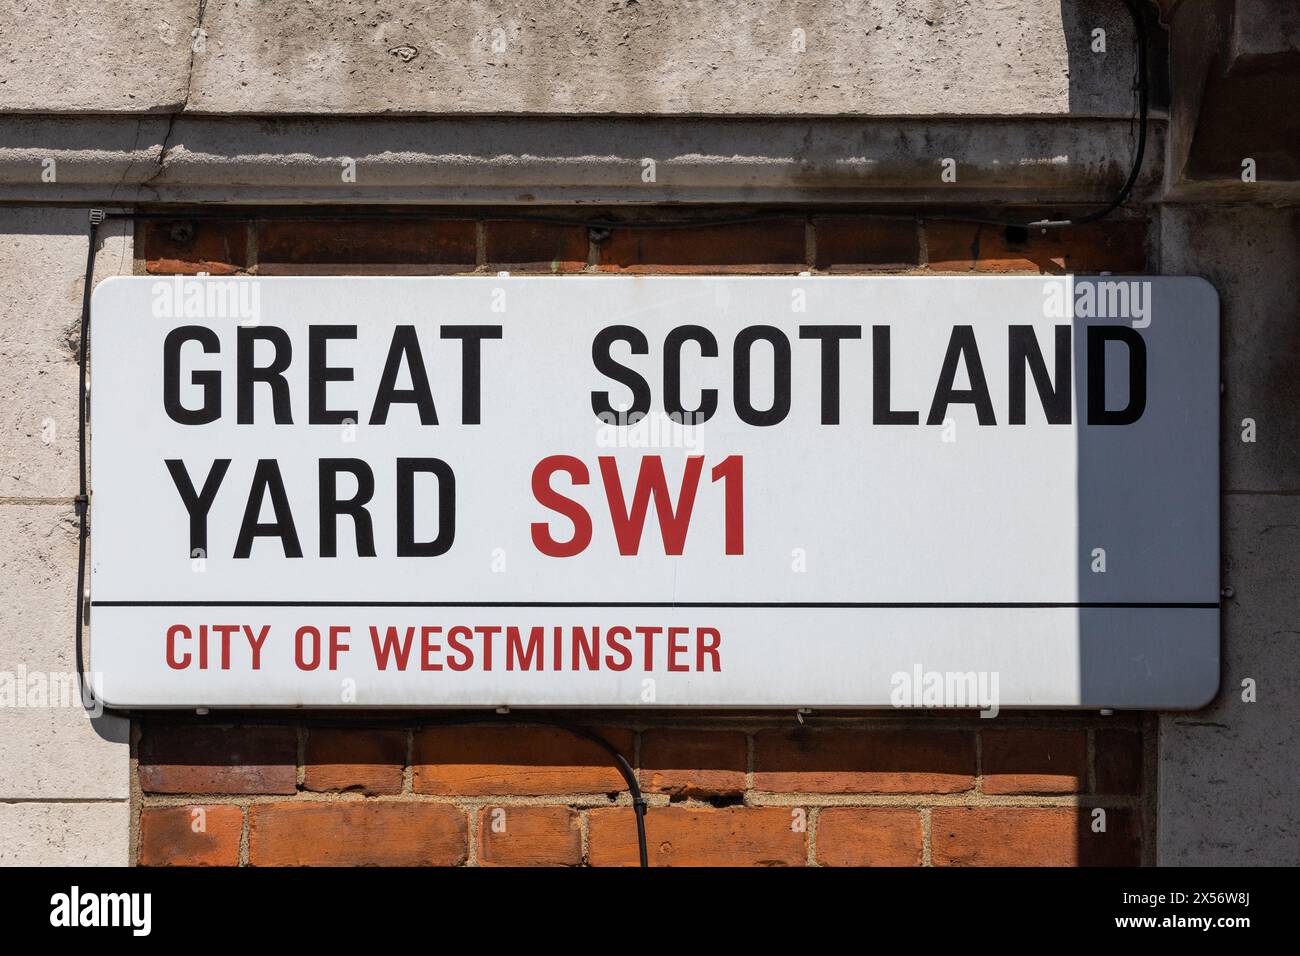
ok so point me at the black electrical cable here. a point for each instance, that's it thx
(1139, 152)
(82, 501)
(97, 216)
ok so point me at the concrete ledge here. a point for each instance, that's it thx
(596, 160)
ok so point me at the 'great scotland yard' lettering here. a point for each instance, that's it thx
(193, 395)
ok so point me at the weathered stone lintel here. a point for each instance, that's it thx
(514, 160)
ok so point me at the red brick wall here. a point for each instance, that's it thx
(883, 788)
(830, 243)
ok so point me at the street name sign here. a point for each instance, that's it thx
(810, 491)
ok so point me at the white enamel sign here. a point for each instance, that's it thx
(609, 491)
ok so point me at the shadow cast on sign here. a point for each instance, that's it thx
(1147, 562)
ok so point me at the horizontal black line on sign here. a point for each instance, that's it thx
(673, 604)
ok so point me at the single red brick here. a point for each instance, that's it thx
(1118, 756)
(693, 763)
(1033, 761)
(772, 246)
(681, 836)
(960, 246)
(1032, 836)
(191, 836)
(869, 836)
(371, 761)
(535, 246)
(356, 833)
(1112, 246)
(365, 247)
(529, 836)
(867, 244)
(187, 246)
(864, 761)
(515, 759)
(193, 758)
